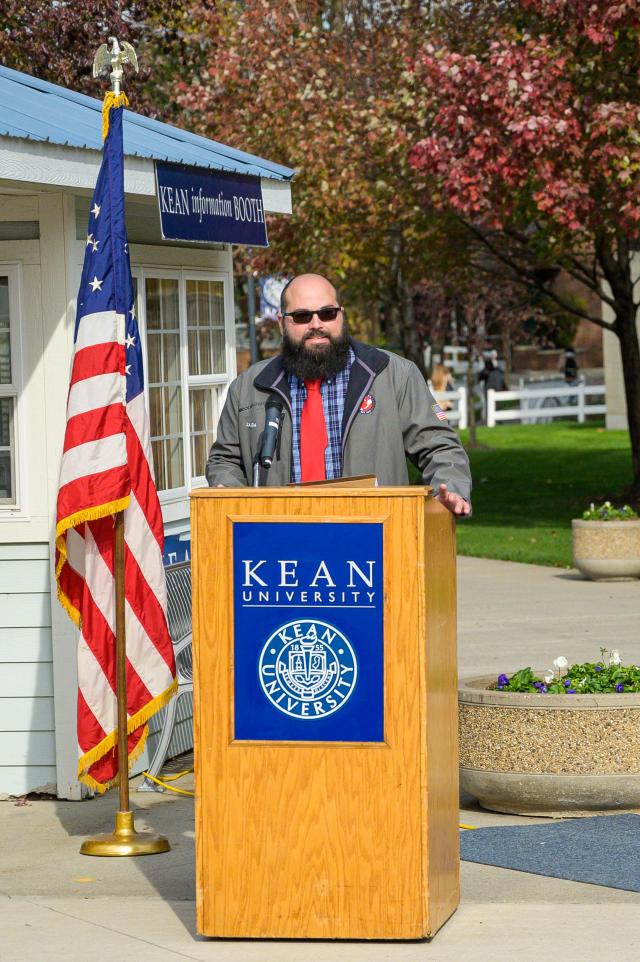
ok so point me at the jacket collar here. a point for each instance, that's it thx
(273, 377)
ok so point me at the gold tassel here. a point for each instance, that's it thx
(110, 100)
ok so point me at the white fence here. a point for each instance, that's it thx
(455, 358)
(457, 414)
(539, 405)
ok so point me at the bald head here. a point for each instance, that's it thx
(308, 291)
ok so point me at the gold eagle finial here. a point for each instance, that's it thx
(113, 60)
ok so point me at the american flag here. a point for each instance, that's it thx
(107, 467)
(439, 413)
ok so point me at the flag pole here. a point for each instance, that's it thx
(125, 840)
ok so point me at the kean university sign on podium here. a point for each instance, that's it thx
(325, 712)
(308, 658)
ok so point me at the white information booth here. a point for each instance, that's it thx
(50, 142)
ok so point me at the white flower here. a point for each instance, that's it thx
(560, 662)
(549, 676)
(614, 657)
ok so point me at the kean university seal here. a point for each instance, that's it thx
(307, 669)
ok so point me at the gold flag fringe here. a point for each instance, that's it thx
(110, 100)
(135, 721)
(72, 521)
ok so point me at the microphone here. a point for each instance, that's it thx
(273, 414)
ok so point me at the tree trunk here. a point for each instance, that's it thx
(393, 321)
(471, 401)
(411, 341)
(616, 259)
(400, 329)
(626, 329)
(506, 351)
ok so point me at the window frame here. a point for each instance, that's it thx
(17, 509)
(174, 500)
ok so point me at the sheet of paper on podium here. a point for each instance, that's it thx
(357, 481)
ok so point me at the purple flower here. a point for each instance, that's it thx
(619, 687)
(500, 687)
(503, 680)
(571, 691)
(544, 688)
(538, 685)
(567, 682)
(598, 667)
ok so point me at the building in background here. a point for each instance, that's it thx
(49, 158)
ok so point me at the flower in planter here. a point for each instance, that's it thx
(607, 512)
(607, 676)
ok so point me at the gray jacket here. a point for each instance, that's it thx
(388, 414)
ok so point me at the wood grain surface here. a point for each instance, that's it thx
(340, 840)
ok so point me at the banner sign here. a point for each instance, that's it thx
(210, 206)
(270, 294)
(308, 617)
(177, 549)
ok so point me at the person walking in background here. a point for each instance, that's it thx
(568, 364)
(442, 380)
(491, 376)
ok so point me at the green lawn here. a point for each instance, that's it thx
(531, 480)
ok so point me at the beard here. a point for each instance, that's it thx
(316, 363)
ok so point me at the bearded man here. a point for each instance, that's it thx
(348, 409)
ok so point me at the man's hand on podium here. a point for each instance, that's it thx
(455, 503)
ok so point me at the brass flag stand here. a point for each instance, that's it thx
(125, 840)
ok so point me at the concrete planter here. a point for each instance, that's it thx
(607, 550)
(553, 755)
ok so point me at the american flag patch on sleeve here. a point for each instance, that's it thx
(439, 413)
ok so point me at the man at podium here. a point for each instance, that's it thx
(329, 407)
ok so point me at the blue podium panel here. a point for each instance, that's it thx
(308, 621)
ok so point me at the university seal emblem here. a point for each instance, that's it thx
(307, 669)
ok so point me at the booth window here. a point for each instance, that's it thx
(8, 397)
(185, 322)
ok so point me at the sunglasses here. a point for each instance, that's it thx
(304, 316)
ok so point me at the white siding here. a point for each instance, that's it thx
(27, 739)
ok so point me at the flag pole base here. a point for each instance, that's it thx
(125, 840)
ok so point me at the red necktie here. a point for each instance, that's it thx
(313, 434)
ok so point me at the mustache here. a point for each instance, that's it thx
(319, 333)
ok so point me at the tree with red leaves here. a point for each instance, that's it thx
(533, 144)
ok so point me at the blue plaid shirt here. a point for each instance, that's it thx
(334, 392)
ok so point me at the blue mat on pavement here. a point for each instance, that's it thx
(602, 850)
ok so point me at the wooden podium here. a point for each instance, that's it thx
(326, 762)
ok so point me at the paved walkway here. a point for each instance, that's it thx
(56, 904)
